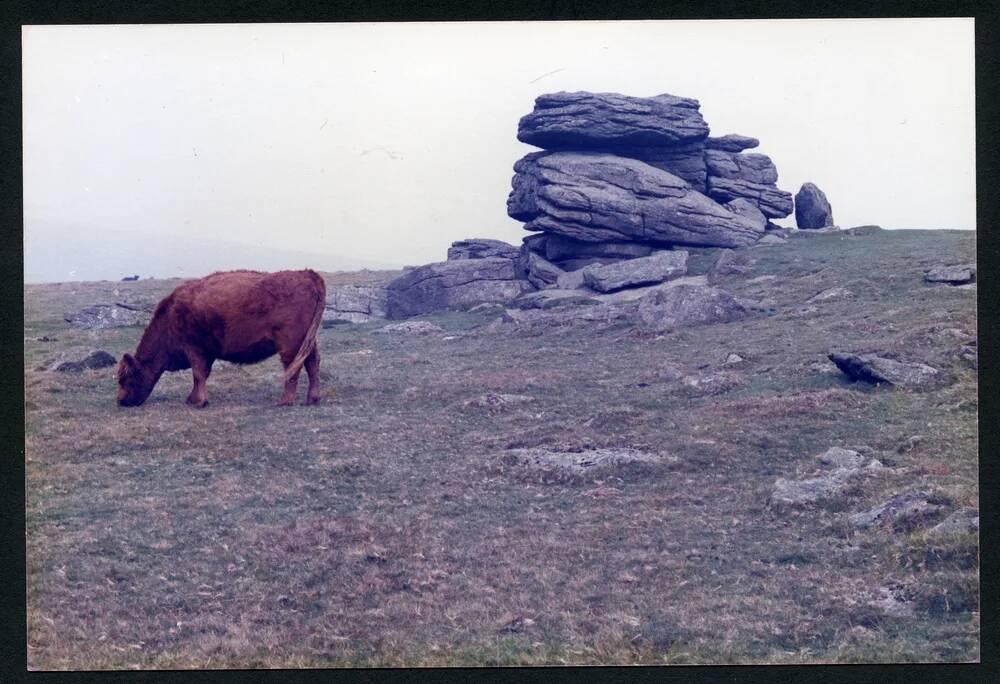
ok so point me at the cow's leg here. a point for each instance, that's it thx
(200, 368)
(292, 384)
(312, 370)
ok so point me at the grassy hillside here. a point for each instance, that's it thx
(388, 525)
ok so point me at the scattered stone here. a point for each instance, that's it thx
(878, 370)
(961, 274)
(457, 284)
(838, 457)
(636, 272)
(831, 293)
(94, 360)
(498, 402)
(604, 198)
(734, 359)
(481, 248)
(666, 308)
(410, 327)
(355, 303)
(104, 316)
(130, 278)
(961, 522)
(580, 462)
(908, 509)
(798, 493)
(550, 299)
(812, 210)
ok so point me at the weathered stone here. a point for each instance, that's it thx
(409, 328)
(570, 280)
(494, 402)
(952, 275)
(903, 510)
(752, 177)
(355, 303)
(583, 121)
(603, 198)
(748, 210)
(751, 167)
(797, 493)
(831, 293)
(731, 143)
(877, 370)
(558, 248)
(636, 272)
(666, 308)
(579, 462)
(550, 299)
(963, 521)
(94, 360)
(634, 294)
(454, 285)
(838, 457)
(481, 248)
(540, 272)
(812, 210)
(103, 316)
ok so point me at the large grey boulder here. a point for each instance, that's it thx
(596, 197)
(812, 210)
(636, 272)
(585, 121)
(355, 303)
(667, 308)
(481, 248)
(752, 177)
(880, 370)
(103, 316)
(456, 284)
(960, 274)
(731, 143)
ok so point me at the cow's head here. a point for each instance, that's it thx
(135, 382)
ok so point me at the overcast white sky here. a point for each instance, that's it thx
(177, 150)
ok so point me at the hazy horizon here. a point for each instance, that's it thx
(176, 150)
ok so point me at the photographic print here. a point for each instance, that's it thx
(500, 344)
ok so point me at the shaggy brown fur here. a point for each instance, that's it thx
(237, 316)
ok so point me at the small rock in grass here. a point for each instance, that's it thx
(832, 293)
(498, 402)
(734, 359)
(94, 360)
(880, 370)
(961, 274)
(410, 327)
(797, 493)
(841, 458)
(962, 521)
(906, 509)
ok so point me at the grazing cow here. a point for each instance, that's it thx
(236, 316)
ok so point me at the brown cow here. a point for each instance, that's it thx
(237, 316)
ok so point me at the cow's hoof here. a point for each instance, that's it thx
(285, 402)
(199, 404)
(311, 400)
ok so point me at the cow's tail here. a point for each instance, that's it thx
(309, 341)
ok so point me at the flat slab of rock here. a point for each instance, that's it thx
(666, 308)
(458, 284)
(481, 248)
(409, 328)
(583, 120)
(906, 509)
(596, 197)
(731, 143)
(879, 370)
(648, 270)
(355, 303)
(748, 210)
(580, 462)
(961, 274)
(94, 360)
(103, 316)
(550, 299)
(812, 209)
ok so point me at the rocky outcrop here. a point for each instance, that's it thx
(880, 370)
(539, 271)
(481, 248)
(731, 143)
(812, 210)
(961, 274)
(752, 177)
(636, 272)
(559, 249)
(456, 284)
(355, 303)
(595, 197)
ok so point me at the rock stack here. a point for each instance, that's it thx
(621, 176)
